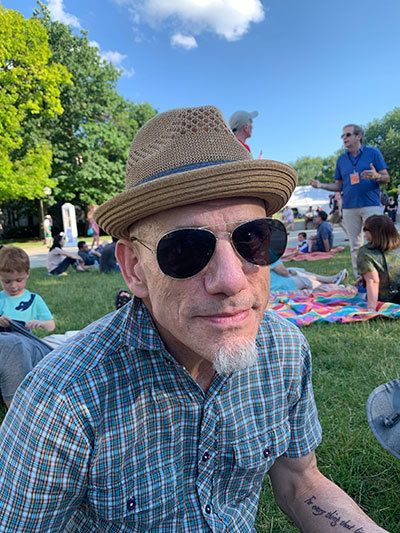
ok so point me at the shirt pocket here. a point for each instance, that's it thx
(253, 457)
(140, 502)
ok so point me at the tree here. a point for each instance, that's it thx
(91, 138)
(385, 135)
(30, 84)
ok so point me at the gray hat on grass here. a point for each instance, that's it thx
(383, 413)
(240, 118)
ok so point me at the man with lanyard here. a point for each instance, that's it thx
(241, 123)
(359, 172)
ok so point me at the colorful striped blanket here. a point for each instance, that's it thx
(342, 305)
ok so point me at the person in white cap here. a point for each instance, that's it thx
(167, 414)
(241, 123)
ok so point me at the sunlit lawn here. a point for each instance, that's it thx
(349, 361)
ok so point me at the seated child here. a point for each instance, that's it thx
(19, 354)
(303, 244)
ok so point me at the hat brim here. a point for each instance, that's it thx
(382, 402)
(270, 181)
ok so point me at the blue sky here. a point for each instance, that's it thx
(308, 67)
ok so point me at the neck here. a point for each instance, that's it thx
(201, 370)
(354, 150)
(241, 135)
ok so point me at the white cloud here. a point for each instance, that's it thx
(114, 57)
(229, 19)
(185, 41)
(57, 12)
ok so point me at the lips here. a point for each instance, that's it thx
(228, 318)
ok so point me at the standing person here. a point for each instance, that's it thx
(241, 123)
(358, 174)
(47, 227)
(323, 240)
(391, 209)
(309, 218)
(288, 217)
(378, 261)
(58, 260)
(93, 227)
(167, 414)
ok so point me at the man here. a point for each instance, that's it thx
(167, 414)
(47, 229)
(241, 123)
(90, 257)
(323, 240)
(359, 172)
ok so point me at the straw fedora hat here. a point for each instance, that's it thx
(189, 155)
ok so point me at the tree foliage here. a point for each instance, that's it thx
(30, 84)
(91, 139)
(320, 168)
(385, 135)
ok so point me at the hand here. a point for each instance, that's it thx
(4, 321)
(35, 324)
(315, 183)
(371, 174)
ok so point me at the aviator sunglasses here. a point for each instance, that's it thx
(184, 252)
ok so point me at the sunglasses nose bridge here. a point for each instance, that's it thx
(225, 271)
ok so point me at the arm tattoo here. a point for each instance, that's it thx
(332, 516)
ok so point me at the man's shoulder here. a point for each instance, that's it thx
(371, 149)
(85, 354)
(274, 328)
(326, 226)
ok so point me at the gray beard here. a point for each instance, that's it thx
(228, 360)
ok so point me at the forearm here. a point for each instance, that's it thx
(334, 187)
(49, 325)
(322, 506)
(383, 176)
(372, 294)
(326, 245)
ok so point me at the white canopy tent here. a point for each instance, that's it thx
(305, 196)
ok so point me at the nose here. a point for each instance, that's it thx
(226, 272)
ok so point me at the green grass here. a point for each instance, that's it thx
(349, 361)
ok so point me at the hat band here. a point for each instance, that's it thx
(185, 168)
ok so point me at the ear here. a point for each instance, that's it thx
(131, 268)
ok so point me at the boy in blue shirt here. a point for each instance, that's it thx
(303, 244)
(19, 354)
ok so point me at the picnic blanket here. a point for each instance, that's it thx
(342, 305)
(292, 254)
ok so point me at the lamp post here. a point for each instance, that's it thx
(47, 192)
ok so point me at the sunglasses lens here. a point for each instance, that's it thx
(185, 252)
(261, 242)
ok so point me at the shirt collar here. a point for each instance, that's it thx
(138, 328)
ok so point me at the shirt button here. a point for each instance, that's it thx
(208, 509)
(131, 504)
(206, 456)
(266, 452)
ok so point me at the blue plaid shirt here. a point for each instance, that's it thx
(110, 433)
